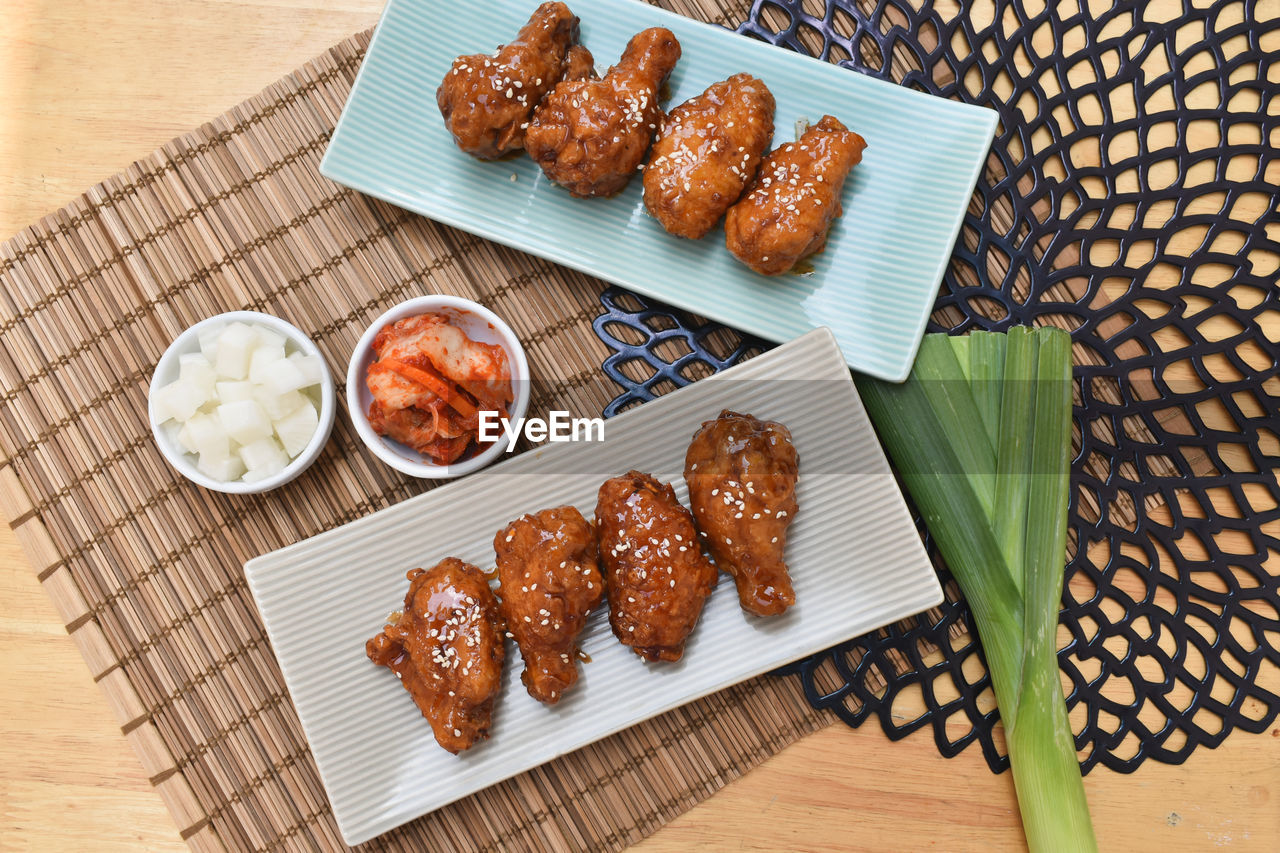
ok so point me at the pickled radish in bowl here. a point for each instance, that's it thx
(245, 405)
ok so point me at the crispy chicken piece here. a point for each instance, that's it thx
(590, 136)
(548, 567)
(785, 215)
(706, 153)
(657, 575)
(486, 101)
(742, 476)
(446, 647)
(579, 65)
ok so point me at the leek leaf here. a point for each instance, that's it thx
(981, 435)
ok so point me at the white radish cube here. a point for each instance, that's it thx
(186, 440)
(208, 337)
(178, 400)
(172, 432)
(296, 428)
(161, 401)
(195, 368)
(235, 348)
(204, 434)
(310, 365)
(263, 363)
(245, 421)
(233, 391)
(284, 377)
(269, 339)
(224, 470)
(254, 476)
(278, 406)
(264, 455)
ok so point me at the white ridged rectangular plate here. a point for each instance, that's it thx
(855, 557)
(874, 285)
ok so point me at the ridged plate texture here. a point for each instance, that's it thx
(855, 556)
(873, 286)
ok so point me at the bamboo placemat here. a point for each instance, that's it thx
(145, 567)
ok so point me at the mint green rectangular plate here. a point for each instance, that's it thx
(875, 283)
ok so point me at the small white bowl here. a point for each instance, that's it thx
(167, 371)
(480, 324)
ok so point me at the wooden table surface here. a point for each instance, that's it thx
(86, 87)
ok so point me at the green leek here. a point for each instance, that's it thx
(981, 435)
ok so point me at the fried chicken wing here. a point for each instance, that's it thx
(446, 647)
(579, 65)
(657, 576)
(590, 136)
(786, 214)
(550, 580)
(742, 475)
(486, 101)
(706, 153)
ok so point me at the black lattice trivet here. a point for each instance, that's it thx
(1155, 240)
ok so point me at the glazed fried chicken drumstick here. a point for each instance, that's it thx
(548, 567)
(742, 475)
(657, 575)
(590, 136)
(786, 214)
(706, 153)
(487, 101)
(446, 647)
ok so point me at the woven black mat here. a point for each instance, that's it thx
(1162, 260)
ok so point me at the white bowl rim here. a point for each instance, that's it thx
(328, 404)
(421, 305)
